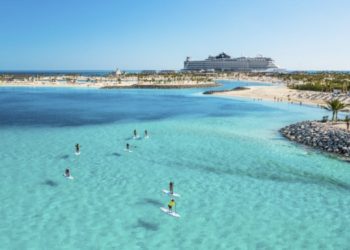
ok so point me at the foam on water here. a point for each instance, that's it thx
(242, 185)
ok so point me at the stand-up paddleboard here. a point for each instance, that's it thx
(69, 177)
(168, 193)
(171, 213)
(77, 153)
(128, 150)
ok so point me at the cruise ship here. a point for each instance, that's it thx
(224, 62)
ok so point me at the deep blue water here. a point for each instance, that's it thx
(69, 107)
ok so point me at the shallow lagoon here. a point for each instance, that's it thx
(242, 185)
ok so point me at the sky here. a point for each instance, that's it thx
(160, 34)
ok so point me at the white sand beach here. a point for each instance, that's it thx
(284, 94)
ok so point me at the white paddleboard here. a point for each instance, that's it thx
(171, 213)
(168, 193)
(77, 153)
(128, 150)
(69, 177)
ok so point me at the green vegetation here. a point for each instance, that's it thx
(318, 81)
(325, 82)
(335, 106)
(171, 77)
(309, 86)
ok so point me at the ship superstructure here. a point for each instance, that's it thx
(224, 62)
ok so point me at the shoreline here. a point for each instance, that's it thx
(47, 86)
(164, 86)
(138, 81)
(282, 93)
(330, 138)
(121, 86)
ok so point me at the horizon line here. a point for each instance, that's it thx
(113, 70)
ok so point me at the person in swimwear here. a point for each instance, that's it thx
(67, 173)
(171, 205)
(171, 187)
(77, 148)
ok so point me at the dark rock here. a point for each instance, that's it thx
(210, 92)
(319, 135)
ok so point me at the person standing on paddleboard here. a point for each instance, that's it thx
(127, 146)
(146, 134)
(67, 173)
(171, 205)
(77, 148)
(171, 187)
(135, 133)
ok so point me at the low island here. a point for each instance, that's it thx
(112, 80)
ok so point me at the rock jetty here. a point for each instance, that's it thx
(319, 135)
(163, 86)
(210, 92)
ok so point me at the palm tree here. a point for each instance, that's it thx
(335, 105)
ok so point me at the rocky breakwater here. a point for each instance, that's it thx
(210, 92)
(163, 86)
(323, 136)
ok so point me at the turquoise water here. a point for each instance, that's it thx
(242, 185)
